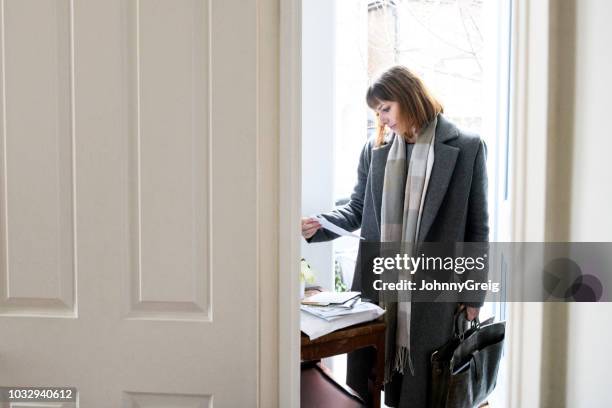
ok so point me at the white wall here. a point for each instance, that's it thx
(351, 29)
(590, 335)
(318, 61)
(592, 187)
(590, 325)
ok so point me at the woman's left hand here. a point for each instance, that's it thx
(472, 312)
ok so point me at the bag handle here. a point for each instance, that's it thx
(461, 322)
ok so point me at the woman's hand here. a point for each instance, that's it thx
(309, 227)
(470, 312)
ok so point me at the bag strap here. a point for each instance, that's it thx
(462, 323)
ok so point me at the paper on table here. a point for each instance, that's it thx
(328, 298)
(315, 327)
(334, 228)
(332, 312)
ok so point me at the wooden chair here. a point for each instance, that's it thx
(370, 334)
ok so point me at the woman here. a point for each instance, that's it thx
(421, 179)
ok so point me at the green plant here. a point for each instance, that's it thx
(339, 283)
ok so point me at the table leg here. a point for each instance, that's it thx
(378, 373)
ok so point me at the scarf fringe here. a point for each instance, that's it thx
(402, 358)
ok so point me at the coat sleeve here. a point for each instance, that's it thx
(349, 215)
(477, 223)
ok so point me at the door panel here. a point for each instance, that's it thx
(37, 160)
(128, 201)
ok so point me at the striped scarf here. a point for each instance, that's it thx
(403, 195)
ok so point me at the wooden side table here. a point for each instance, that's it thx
(370, 334)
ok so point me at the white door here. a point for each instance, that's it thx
(127, 201)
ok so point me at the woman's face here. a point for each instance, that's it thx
(389, 115)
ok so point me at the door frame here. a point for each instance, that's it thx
(290, 192)
(529, 110)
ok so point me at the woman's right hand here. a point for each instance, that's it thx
(309, 227)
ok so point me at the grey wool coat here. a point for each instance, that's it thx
(455, 210)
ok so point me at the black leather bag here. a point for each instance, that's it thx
(464, 371)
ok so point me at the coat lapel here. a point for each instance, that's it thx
(445, 158)
(441, 173)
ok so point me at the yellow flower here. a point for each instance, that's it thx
(306, 273)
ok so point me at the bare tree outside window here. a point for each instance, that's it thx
(442, 41)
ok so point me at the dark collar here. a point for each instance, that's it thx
(445, 130)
